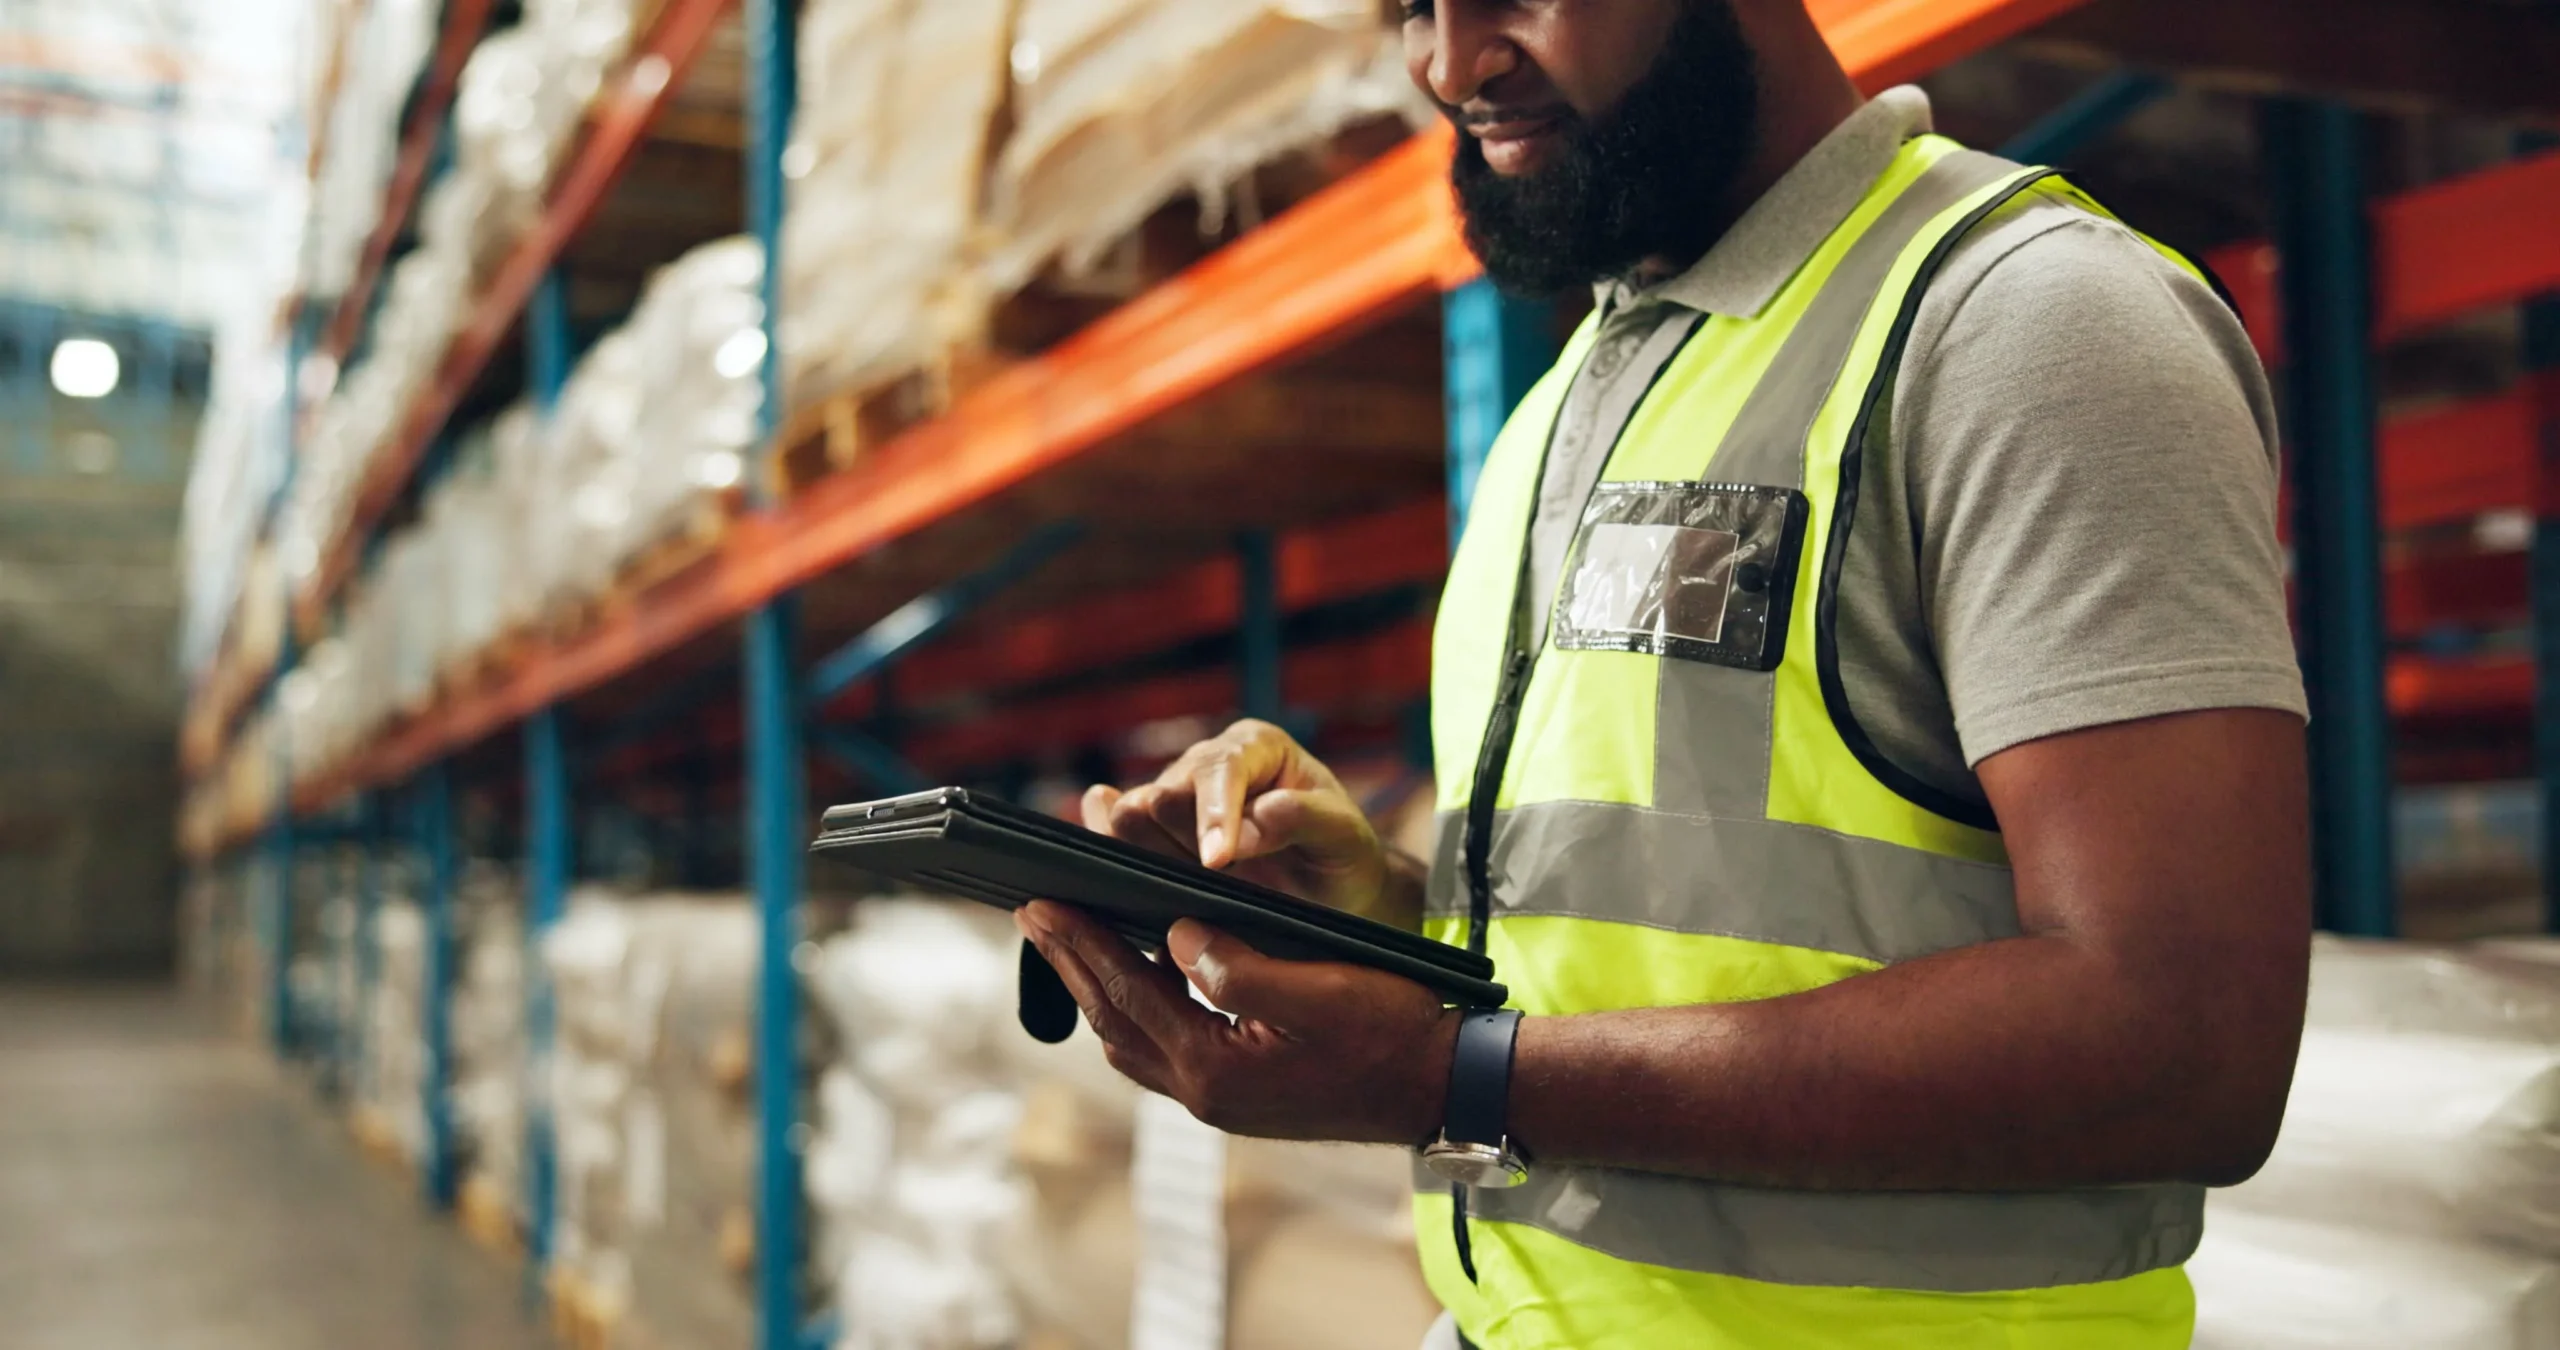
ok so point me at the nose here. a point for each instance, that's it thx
(1468, 50)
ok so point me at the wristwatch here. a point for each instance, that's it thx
(1474, 1147)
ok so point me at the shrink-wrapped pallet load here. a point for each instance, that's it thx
(391, 1103)
(380, 57)
(2410, 1202)
(1123, 105)
(698, 345)
(649, 1112)
(974, 1188)
(489, 1071)
(897, 99)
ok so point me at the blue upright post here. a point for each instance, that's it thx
(1494, 346)
(368, 935)
(2094, 112)
(282, 1022)
(280, 922)
(2314, 156)
(549, 847)
(776, 808)
(547, 340)
(547, 854)
(1258, 639)
(435, 841)
(35, 389)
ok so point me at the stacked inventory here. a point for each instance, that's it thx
(975, 1189)
(648, 1101)
(517, 109)
(489, 1051)
(2413, 1201)
(945, 156)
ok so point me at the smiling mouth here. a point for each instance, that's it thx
(1510, 127)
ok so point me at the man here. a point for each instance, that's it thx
(1869, 743)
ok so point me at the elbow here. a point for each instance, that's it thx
(2230, 1130)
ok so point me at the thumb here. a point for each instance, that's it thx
(1235, 977)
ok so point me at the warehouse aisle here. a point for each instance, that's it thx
(161, 1186)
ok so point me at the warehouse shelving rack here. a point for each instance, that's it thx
(909, 523)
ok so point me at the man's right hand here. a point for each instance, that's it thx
(1252, 801)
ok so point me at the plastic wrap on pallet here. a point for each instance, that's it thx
(2507, 990)
(648, 1092)
(2267, 1283)
(2419, 1133)
(972, 1186)
(1124, 105)
(488, 1031)
(896, 101)
(381, 57)
(699, 344)
(391, 1091)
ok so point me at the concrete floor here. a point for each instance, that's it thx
(163, 1187)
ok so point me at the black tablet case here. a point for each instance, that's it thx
(958, 842)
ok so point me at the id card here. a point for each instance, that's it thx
(1691, 571)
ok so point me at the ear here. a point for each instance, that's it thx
(1044, 1006)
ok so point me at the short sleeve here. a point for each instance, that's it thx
(2091, 456)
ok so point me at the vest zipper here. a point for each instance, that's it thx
(1499, 730)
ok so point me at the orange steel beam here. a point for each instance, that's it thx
(1888, 42)
(616, 124)
(1380, 239)
(2438, 253)
(2463, 461)
(2499, 689)
(1365, 556)
(463, 20)
(1342, 561)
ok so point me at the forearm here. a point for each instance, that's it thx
(2031, 1063)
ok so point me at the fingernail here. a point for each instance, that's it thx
(1032, 924)
(1211, 840)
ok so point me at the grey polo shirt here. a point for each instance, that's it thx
(2069, 510)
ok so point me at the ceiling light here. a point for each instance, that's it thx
(85, 368)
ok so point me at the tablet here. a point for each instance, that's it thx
(962, 843)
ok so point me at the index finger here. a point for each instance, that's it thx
(1251, 756)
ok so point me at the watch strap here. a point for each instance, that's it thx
(1479, 1103)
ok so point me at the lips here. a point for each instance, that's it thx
(1514, 140)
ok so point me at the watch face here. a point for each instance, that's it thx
(1478, 1165)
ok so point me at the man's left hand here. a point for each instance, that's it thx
(1317, 1051)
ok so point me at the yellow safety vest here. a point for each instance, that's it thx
(1687, 813)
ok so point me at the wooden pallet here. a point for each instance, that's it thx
(378, 1141)
(691, 540)
(581, 1317)
(828, 434)
(486, 1214)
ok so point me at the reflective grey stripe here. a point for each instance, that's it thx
(1768, 438)
(1940, 1242)
(1764, 880)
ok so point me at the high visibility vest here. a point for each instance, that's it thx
(1685, 812)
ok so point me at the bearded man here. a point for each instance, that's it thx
(1869, 743)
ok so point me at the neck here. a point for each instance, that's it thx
(1804, 97)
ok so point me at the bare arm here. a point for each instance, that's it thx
(2143, 1029)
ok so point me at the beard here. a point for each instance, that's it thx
(1649, 179)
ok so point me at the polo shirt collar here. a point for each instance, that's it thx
(1775, 238)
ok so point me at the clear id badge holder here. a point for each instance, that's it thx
(1690, 571)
